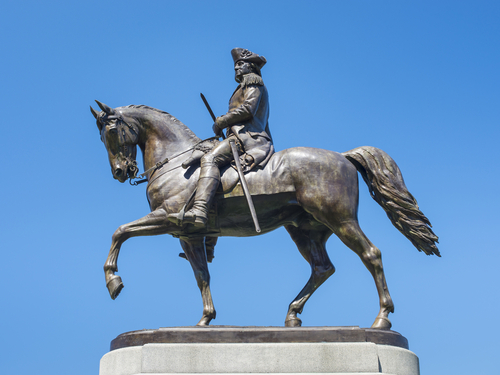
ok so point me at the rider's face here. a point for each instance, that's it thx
(241, 68)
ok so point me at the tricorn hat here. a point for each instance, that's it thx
(245, 55)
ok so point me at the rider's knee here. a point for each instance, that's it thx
(213, 160)
(207, 160)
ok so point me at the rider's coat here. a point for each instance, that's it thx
(247, 118)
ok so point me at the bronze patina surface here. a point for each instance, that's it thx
(312, 192)
(230, 334)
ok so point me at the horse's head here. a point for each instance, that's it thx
(120, 139)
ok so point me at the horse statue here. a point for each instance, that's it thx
(312, 192)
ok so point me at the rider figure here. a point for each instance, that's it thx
(246, 123)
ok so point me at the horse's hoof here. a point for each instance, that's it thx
(204, 322)
(294, 322)
(382, 323)
(115, 286)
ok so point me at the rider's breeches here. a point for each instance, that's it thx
(221, 154)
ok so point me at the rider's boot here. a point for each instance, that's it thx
(205, 191)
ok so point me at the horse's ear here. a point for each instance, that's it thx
(94, 112)
(105, 108)
(96, 115)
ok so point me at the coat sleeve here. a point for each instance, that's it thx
(244, 112)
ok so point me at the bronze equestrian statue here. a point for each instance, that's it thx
(312, 192)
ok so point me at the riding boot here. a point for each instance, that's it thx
(205, 191)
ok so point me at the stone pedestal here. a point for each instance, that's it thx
(245, 350)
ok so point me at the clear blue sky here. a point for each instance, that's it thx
(418, 79)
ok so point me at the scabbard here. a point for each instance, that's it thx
(244, 184)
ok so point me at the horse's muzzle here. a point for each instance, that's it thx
(120, 174)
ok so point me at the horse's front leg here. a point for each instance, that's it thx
(153, 224)
(194, 248)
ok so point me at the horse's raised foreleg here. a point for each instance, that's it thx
(194, 248)
(153, 224)
(311, 244)
(351, 234)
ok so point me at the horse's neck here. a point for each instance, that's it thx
(163, 136)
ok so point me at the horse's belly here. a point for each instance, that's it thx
(273, 211)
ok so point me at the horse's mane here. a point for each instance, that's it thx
(146, 107)
(142, 106)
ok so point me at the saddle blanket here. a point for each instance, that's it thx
(273, 179)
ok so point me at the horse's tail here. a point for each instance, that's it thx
(387, 187)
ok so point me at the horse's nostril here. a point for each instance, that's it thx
(118, 172)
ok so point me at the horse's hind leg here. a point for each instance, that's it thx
(153, 224)
(351, 234)
(311, 244)
(194, 249)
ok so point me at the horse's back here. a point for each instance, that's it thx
(293, 169)
(314, 163)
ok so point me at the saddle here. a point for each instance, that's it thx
(261, 181)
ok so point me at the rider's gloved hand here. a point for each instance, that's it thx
(216, 127)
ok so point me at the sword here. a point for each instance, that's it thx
(236, 157)
(211, 113)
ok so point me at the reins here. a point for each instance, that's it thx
(143, 176)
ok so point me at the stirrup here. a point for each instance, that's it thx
(182, 218)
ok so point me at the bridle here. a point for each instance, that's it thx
(128, 137)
